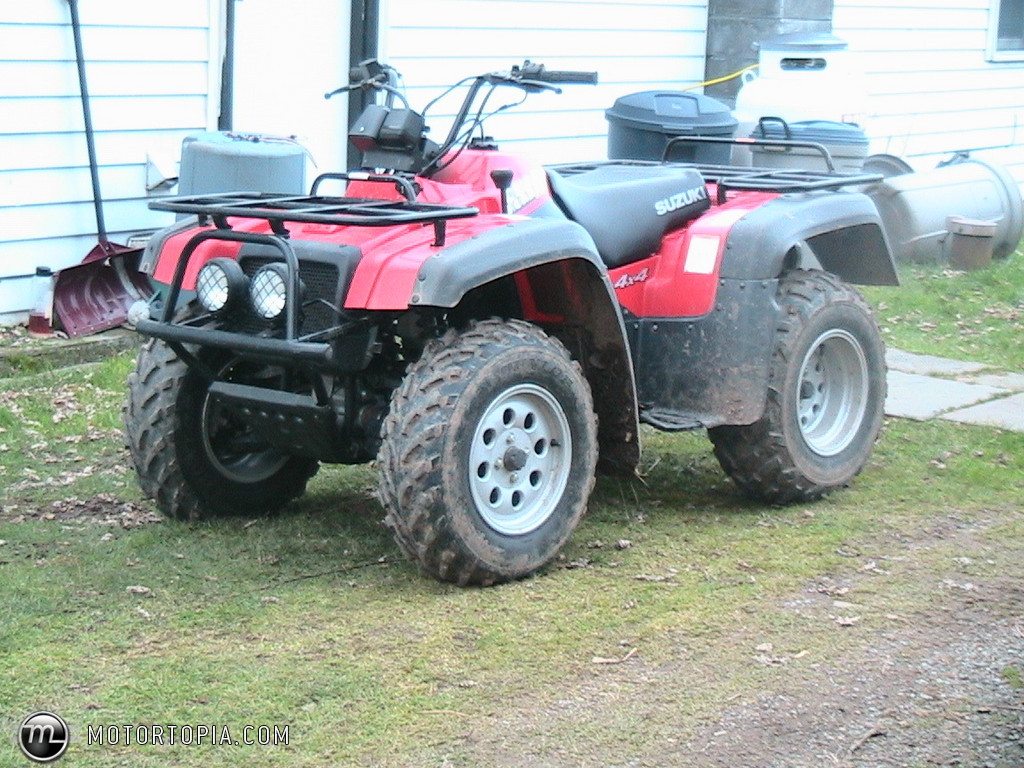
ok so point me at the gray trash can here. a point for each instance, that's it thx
(916, 207)
(641, 125)
(846, 142)
(231, 162)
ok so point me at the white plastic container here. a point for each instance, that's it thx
(802, 77)
(40, 317)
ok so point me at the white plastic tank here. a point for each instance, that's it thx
(800, 77)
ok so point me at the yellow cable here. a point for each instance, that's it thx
(726, 78)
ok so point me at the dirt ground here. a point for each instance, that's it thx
(940, 687)
(929, 695)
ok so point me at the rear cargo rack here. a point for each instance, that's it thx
(729, 178)
(313, 209)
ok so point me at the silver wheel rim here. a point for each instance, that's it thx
(832, 392)
(519, 460)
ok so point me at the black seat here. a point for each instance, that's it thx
(627, 209)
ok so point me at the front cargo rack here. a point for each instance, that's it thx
(278, 210)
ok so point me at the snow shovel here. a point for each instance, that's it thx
(95, 295)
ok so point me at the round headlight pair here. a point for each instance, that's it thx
(221, 284)
(268, 291)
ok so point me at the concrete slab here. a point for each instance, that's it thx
(1011, 381)
(24, 355)
(1005, 413)
(913, 396)
(929, 365)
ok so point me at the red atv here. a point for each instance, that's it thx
(491, 331)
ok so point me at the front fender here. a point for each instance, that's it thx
(840, 232)
(555, 263)
(448, 275)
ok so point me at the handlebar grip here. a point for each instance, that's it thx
(565, 76)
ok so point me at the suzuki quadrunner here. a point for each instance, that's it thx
(491, 331)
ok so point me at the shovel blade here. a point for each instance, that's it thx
(95, 295)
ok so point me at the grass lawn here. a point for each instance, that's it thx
(311, 621)
(975, 316)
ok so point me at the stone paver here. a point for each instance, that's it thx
(1005, 413)
(1014, 381)
(923, 387)
(929, 365)
(915, 396)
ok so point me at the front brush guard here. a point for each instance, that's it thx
(278, 211)
(290, 349)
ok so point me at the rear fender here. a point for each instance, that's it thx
(839, 232)
(562, 285)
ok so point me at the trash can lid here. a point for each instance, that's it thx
(805, 42)
(961, 225)
(671, 111)
(821, 131)
(247, 144)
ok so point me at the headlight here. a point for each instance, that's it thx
(268, 291)
(219, 284)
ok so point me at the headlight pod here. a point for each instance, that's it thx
(268, 291)
(220, 284)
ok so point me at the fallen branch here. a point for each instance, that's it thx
(452, 712)
(989, 707)
(320, 574)
(627, 657)
(875, 731)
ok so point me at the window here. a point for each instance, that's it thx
(1006, 31)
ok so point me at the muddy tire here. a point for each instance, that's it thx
(826, 395)
(488, 453)
(189, 457)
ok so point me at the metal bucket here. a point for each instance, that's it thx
(969, 244)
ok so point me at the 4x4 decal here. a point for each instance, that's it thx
(627, 280)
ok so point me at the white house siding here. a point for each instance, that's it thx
(151, 82)
(634, 46)
(931, 90)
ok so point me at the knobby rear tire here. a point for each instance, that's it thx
(826, 396)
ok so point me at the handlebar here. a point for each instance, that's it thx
(567, 77)
(372, 75)
(538, 73)
(425, 156)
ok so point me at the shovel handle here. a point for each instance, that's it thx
(90, 142)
